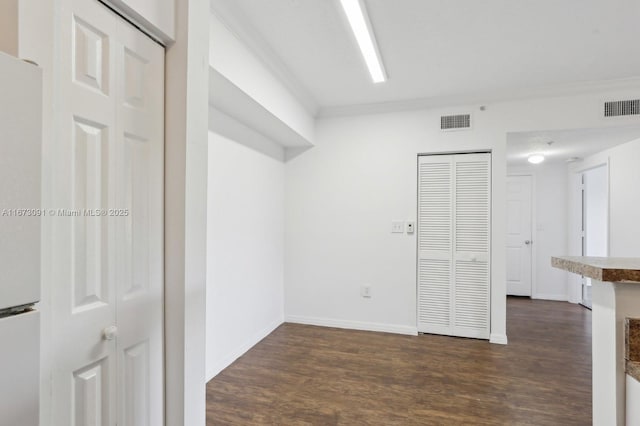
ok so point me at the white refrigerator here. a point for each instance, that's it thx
(20, 222)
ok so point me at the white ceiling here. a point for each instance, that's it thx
(579, 143)
(443, 49)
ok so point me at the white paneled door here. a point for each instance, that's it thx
(519, 242)
(108, 226)
(454, 204)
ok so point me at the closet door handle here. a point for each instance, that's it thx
(527, 242)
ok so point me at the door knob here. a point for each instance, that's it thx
(110, 332)
(527, 242)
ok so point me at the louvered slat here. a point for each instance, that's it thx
(434, 208)
(471, 295)
(434, 293)
(472, 206)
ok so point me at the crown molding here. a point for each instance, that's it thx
(480, 98)
(236, 21)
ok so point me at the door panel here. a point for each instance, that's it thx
(519, 193)
(91, 185)
(140, 116)
(108, 230)
(84, 374)
(454, 199)
(91, 391)
(472, 242)
(90, 52)
(435, 225)
(135, 408)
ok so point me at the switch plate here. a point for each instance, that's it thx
(365, 291)
(411, 227)
(397, 227)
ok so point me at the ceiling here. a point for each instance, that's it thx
(442, 49)
(579, 143)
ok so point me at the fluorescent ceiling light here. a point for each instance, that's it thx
(361, 28)
(535, 158)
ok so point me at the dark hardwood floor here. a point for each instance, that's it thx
(305, 375)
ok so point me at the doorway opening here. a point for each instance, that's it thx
(519, 234)
(594, 238)
(557, 225)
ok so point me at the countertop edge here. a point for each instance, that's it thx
(598, 272)
(633, 369)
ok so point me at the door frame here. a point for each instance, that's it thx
(491, 338)
(574, 291)
(534, 230)
(583, 237)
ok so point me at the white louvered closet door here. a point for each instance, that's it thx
(435, 246)
(454, 200)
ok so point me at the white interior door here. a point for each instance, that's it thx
(472, 245)
(435, 244)
(139, 198)
(595, 220)
(519, 241)
(454, 199)
(108, 297)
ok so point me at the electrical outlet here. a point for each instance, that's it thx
(411, 226)
(397, 227)
(365, 291)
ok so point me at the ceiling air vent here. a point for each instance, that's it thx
(455, 122)
(622, 108)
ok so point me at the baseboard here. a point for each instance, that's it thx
(498, 339)
(353, 325)
(556, 297)
(242, 349)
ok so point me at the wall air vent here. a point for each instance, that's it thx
(455, 122)
(622, 108)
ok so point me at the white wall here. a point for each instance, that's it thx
(245, 250)
(341, 198)
(624, 196)
(343, 194)
(549, 232)
(624, 199)
(235, 61)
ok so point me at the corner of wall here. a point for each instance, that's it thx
(498, 339)
(233, 354)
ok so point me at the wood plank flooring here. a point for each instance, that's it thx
(305, 375)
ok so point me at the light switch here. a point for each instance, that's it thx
(365, 291)
(397, 227)
(411, 227)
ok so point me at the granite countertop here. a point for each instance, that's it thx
(632, 347)
(612, 269)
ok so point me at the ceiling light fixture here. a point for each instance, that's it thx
(361, 27)
(535, 158)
